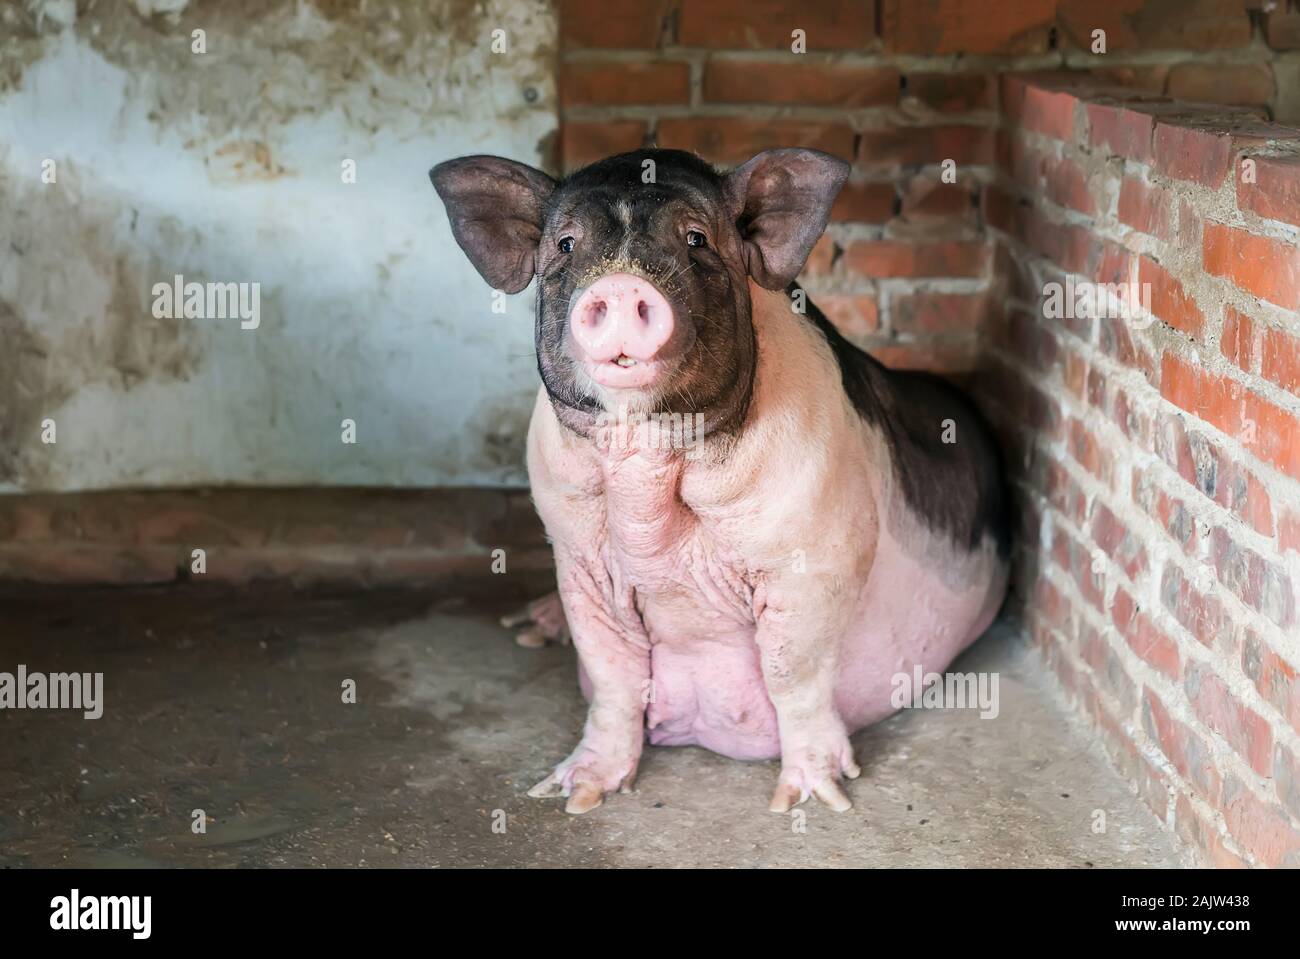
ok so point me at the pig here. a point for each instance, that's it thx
(756, 525)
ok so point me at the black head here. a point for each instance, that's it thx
(643, 262)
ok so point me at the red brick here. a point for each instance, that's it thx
(1276, 679)
(1116, 340)
(1049, 112)
(1181, 745)
(1170, 511)
(584, 143)
(1280, 359)
(1275, 192)
(1072, 557)
(831, 85)
(889, 258)
(1244, 84)
(1288, 532)
(822, 258)
(1283, 28)
(1169, 301)
(1196, 610)
(1247, 732)
(1152, 646)
(733, 140)
(1215, 473)
(1265, 429)
(622, 84)
(1239, 341)
(1075, 374)
(938, 312)
(953, 92)
(1261, 583)
(854, 316)
(1117, 542)
(1268, 268)
(1133, 421)
(1263, 830)
(1108, 671)
(942, 357)
(929, 198)
(1069, 246)
(862, 202)
(1088, 450)
(1239, 491)
(612, 24)
(1144, 207)
(1200, 154)
(1064, 493)
(955, 26)
(1000, 209)
(1172, 443)
(1024, 336)
(1146, 25)
(1121, 131)
(768, 24)
(1065, 184)
(1194, 831)
(1286, 774)
(924, 146)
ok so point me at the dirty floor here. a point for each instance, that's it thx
(230, 702)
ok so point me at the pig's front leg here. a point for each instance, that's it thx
(616, 659)
(799, 635)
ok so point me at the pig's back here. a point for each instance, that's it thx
(946, 462)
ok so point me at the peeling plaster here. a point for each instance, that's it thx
(225, 167)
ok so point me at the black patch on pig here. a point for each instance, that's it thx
(958, 488)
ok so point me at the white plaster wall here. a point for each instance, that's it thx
(225, 166)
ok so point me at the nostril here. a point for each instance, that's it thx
(643, 310)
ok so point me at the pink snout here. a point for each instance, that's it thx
(621, 319)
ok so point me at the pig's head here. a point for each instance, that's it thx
(642, 263)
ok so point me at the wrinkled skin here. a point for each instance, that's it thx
(752, 587)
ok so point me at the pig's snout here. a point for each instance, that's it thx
(621, 319)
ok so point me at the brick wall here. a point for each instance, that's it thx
(896, 87)
(1158, 459)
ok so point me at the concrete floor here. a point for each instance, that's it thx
(231, 702)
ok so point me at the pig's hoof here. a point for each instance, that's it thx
(584, 797)
(585, 787)
(828, 791)
(797, 784)
(542, 621)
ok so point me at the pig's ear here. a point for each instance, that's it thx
(495, 207)
(781, 200)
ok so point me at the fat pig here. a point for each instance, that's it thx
(756, 525)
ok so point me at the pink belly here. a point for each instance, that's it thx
(708, 685)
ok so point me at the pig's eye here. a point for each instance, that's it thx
(565, 244)
(696, 239)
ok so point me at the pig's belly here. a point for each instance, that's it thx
(708, 687)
